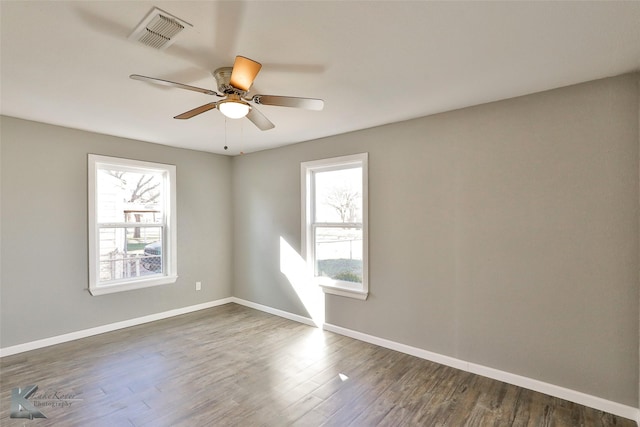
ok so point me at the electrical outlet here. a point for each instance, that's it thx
(198, 286)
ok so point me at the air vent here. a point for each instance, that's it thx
(158, 29)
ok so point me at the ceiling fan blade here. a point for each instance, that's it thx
(172, 84)
(244, 72)
(199, 110)
(258, 119)
(289, 101)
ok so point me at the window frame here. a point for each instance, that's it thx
(169, 226)
(307, 171)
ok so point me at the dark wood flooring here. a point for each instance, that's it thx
(234, 366)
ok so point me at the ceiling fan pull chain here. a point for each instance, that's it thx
(226, 147)
(242, 137)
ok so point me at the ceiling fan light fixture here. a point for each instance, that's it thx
(234, 109)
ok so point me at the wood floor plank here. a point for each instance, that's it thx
(234, 366)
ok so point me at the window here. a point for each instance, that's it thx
(132, 224)
(334, 221)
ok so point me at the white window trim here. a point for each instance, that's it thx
(331, 286)
(169, 252)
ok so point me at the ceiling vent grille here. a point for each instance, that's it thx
(158, 29)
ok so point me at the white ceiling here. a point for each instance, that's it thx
(373, 62)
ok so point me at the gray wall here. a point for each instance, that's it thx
(44, 273)
(504, 234)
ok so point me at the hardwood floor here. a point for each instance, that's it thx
(234, 366)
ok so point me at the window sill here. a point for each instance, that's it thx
(344, 290)
(131, 285)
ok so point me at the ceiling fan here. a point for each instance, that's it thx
(234, 84)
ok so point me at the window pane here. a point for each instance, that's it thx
(338, 253)
(130, 252)
(338, 195)
(129, 196)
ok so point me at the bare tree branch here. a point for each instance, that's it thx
(344, 201)
(142, 188)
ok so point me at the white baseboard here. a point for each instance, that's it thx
(558, 391)
(20, 348)
(520, 381)
(274, 311)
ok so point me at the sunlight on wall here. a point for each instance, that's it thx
(294, 267)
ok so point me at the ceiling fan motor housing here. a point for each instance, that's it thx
(222, 76)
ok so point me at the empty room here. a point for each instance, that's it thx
(319, 213)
